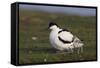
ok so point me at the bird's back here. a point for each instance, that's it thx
(67, 36)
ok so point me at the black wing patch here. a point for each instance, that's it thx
(63, 30)
(65, 41)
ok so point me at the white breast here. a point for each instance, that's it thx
(52, 37)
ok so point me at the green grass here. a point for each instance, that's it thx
(35, 24)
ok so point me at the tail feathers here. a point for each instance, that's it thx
(77, 42)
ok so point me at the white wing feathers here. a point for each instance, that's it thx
(66, 36)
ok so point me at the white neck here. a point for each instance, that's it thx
(56, 29)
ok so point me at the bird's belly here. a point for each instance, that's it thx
(52, 39)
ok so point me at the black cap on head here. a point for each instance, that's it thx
(51, 24)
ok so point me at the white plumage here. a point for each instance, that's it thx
(66, 35)
(62, 39)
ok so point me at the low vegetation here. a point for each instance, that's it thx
(34, 46)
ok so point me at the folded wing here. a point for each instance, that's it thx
(65, 36)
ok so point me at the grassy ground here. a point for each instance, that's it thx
(35, 24)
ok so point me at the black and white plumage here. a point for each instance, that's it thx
(63, 39)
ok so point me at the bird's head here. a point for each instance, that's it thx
(53, 25)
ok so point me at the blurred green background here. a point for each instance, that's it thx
(34, 46)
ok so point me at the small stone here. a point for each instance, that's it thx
(34, 38)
